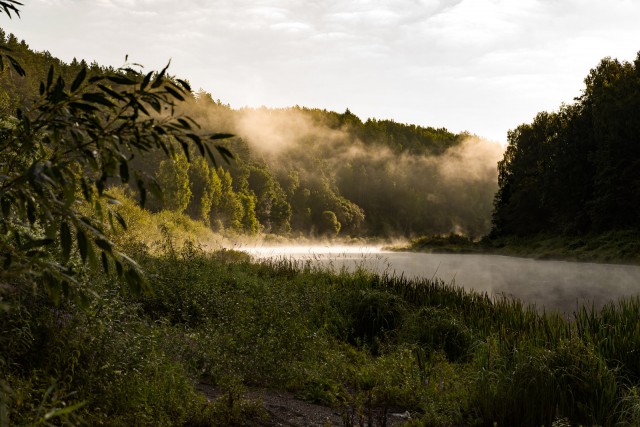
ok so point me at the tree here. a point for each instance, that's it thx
(80, 136)
(173, 178)
(576, 170)
(250, 223)
(329, 224)
(205, 188)
(272, 209)
(229, 209)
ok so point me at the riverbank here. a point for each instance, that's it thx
(363, 344)
(617, 247)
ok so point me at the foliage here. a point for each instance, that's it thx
(205, 189)
(75, 140)
(366, 344)
(173, 178)
(575, 171)
(379, 177)
(228, 208)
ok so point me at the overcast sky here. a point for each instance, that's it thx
(484, 66)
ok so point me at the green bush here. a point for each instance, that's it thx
(373, 316)
(437, 329)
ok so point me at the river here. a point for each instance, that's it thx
(554, 285)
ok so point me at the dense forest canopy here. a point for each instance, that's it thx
(301, 171)
(576, 170)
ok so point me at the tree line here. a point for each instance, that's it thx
(347, 177)
(576, 170)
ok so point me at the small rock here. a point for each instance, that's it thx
(405, 415)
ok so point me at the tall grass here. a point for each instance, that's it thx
(367, 344)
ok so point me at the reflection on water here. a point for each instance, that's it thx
(549, 284)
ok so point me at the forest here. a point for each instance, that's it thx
(114, 312)
(305, 172)
(575, 171)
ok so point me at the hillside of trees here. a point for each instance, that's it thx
(304, 172)
(576, 171)
(113, 314)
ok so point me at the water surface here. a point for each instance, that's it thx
(553, 285)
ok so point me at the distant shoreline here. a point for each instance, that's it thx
(616, 247)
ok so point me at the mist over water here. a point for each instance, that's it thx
(379, 177)
(552, 285)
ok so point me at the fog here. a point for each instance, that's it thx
(550, 285)
(439, 188)
(279, 133)
(446, 185)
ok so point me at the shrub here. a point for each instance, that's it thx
(437, 330)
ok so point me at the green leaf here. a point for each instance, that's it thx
(31, 212)
(184, 84)
(95, 79)
(120, 220)
(50, 77)
(174, 93)
(16, 66)
(121, 80)
(134, 280)
(112, 93)
(143, 191)
(104, 245)
(105, 262)
(184, 124)
(36, 243)
(210, 155)
(5, 203)
(198, 141)
(160, 77)
(10, 5)
(97, 98)
(155, 189)
(124, 171)
(185, 149)
(53, 287)
(225, 153)
(221, 136)
(60, 412)
(119, 268)
(79, 79)
(84, 107)
(146, 80)
(65, 240)
(83, 245)
(83, 302)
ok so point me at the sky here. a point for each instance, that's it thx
(482, 66)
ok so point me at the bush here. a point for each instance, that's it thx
(373, 316)
(437, 330)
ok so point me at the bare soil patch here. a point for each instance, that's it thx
(284, 409)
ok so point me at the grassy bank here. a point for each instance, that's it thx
(612, 247)
(361, 343)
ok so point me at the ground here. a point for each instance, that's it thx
(284, 409)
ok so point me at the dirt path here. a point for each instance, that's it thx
(284, 409)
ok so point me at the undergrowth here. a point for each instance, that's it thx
(362, 343)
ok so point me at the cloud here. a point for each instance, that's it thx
(480, 65)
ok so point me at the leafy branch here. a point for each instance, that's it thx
(79, 138)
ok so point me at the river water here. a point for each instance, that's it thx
(554, 285)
